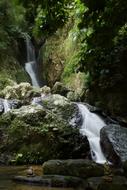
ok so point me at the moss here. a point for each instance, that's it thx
(23, 91)
(5, 81)
(39, 135)
(60, 56)
(21, 76)
(5, 120)
(59, 53)
(11, 72)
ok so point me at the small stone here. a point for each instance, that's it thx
(30, 171)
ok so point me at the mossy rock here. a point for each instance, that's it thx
(23, 91)
(12, 72)
(5, 82)
(51, 180)
(40, 133)
(78, 168)
(61, 106)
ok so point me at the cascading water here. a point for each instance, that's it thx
(91, 127)
(31, 65)
(6, 106)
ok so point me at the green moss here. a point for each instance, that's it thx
(39, 136)
(11, 72)
(21, 76)
(5, 81)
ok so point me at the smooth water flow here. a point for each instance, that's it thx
(31, 65)
(6, 106)
(91, 127)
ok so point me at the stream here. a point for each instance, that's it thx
(31, 66)
(7, 173)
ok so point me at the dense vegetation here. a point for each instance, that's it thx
(12, 24)
(83, 36)
(103, 53)
(12, 27)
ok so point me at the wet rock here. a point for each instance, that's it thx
(45, 90)
(41, 132)
(15, 104)
(113, 140)
(100, 183)
(78, 168)
(61, 106)
(60, 88)
(52, 181)
(6, 105)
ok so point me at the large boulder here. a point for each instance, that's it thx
(51, 180)
(61, 106)
(35, 133)
(79, 168)
(113, 140)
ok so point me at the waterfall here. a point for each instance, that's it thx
(91, 127)
(6, 106)
(31, 65)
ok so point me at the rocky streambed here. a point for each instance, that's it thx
(41, 126)
(79, 174)
(7, 174)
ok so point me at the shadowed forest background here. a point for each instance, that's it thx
(81, 43)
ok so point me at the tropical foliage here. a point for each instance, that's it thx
(97, 34)
(11, 24)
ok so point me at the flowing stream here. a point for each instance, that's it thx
(31, 64)
(91, 127)
(6, 106)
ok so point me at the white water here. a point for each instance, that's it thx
(91, 127)
(31, 64)
(6, 106)
(36, 100)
